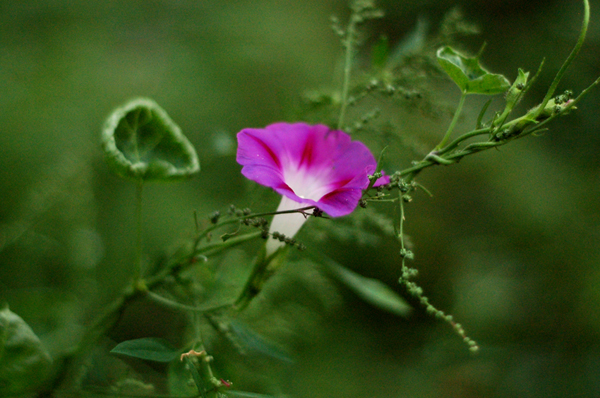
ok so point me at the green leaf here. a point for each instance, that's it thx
(257, 343)
(468, 74)
(150, 348)
(380, 52)
(371, 290)
(229, 279)
(178, 380)
(196, 376)
(24, 362)
(244, 394)
(141, 142)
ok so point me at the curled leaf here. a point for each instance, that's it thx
(141, 142)
(468, 74)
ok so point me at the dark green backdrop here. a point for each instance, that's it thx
(508, 244)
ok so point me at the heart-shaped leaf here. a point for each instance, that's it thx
(150, 348)
(141, 142)
(468, 74)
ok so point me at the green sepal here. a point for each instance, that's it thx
(513, 96)
(515, 92)
(141, 142)
(468, 74)
(150, 349)
(24, 362)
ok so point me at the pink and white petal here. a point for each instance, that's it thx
(310, 165)
(254, 149)
(264, 175)
(341, 202)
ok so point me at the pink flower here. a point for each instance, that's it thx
(307, 165)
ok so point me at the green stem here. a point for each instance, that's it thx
(349, 46)
(401, 222)
(165, 302)
(138, 221)
(462, 138)
(262, 269)
(570, 58)
(461, 102)
(215, 248)
(208, 250)
(238, 219)
(410, 173)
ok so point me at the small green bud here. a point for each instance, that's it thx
(214, 217)
(404, 253)
(553, 107)
(514, 93)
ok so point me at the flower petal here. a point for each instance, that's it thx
(311, 165)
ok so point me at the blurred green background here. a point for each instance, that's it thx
(508, 244)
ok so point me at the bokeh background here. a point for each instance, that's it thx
(508, 244)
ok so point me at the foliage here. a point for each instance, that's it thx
(24, 362)
(141, 142)
(221, 314)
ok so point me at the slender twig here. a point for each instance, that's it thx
(349, 48)
(210, 229)
(464, 137)
(461, 102)
(165, 302)
(570, 58)
(138, 221)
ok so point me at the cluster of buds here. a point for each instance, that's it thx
(287, 240)
(395, 182)
(234, 211)
(553, 107)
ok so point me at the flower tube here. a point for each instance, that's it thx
(309, 165)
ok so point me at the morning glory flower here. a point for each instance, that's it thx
(309, 165)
